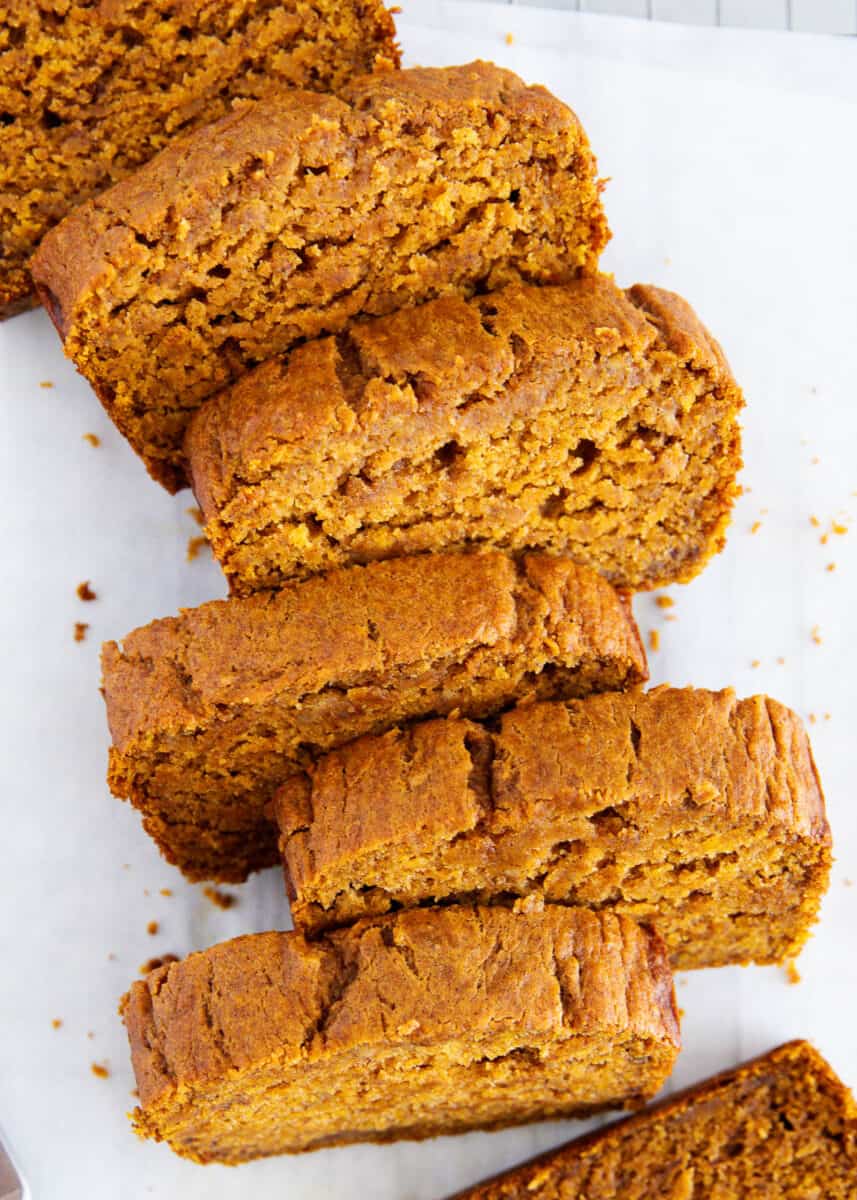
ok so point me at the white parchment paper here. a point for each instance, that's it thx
(733, 180)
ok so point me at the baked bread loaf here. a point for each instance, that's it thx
(211, 710)
(406, 1027)
(689, 809)
(579, 419)
(782, 1125)
(88, 91)
(293, 215)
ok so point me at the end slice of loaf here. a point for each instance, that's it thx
(781, 1125)
(578, 419)
(293, 215)
(693, 810)
(211, 710)
(407, 1027)
(90, 91)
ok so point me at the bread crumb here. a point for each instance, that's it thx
(90, 1034)
(100, 1071)
(664, 601)
(111, 957)
(757, 662)
(152, 964)
(781, 661)
(668, 262)
(823, 539)
(80, 628)
(839, 528)
(792, 973)
(510, 38)
(166, 891)
(816, 634)
(681, 1014)
(194, 545)
(670, 617)
(756, 526)
(152, 928)
(219, 899)
(654, 640)
(56, 1023)
(848, 882)
(92, 438)
(815, 460)
(814, 522)
(827, 716)
(812, 718)
(196, 512)
(46, 383)
(830, 566)
(85, 592)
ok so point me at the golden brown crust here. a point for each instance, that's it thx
(576, 419)
(88, 95)
(441, 987)
(235, 243)
(780, 1124)
(210, 710)
(684, 807)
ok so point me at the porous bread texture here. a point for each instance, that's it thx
(90, 90)
(781, 1125)
(578, 419)
(689, 809)
(410, 1026)
(211, 710)
(295, 214)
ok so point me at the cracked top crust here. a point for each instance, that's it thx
(359, 624)
(419, 977)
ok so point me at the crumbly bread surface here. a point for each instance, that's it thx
(689, 809)
(293, 215)
(211, 710)
(578, 419)
(88, 91)
(406, 1027)
(783, 1125)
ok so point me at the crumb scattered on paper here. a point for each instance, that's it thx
(161, 960)
(85, 592)
(56, 1023)
(219, 899)
(80, 628)
(166, 891)
(831, 566)
(812, 718)
(792, 973)
(757, 662)
(196, 512)
(654, 640)
(100, 1071)
(664, 601)
(781, 661)
(46, 383)
(814, 522)
(510, 38)
(756, 526)
(195, 544)
(839, 529)
(152, 928)
(816, 634)
(92, 438)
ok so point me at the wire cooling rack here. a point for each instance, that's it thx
(803, 16)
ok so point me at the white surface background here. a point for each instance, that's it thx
(733, 181)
